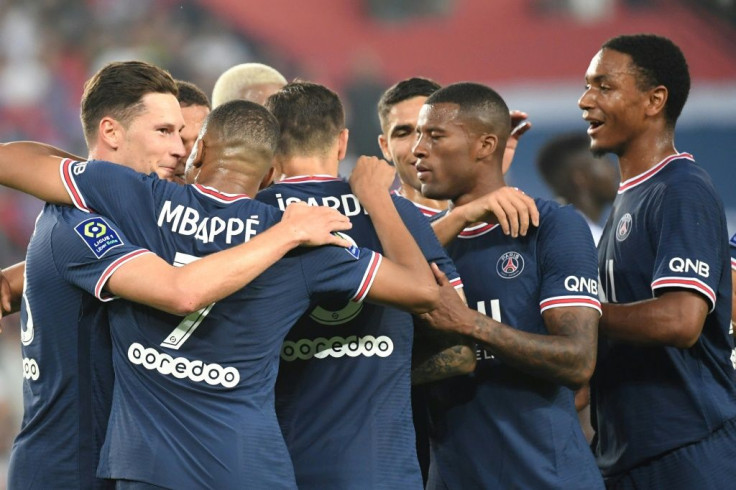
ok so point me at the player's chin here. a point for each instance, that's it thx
(598, 149)
(431, 190)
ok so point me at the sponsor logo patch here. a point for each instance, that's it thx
(510, 265)
(353, 250)
(623, 228)
(98, 235)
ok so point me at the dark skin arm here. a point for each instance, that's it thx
(509, 207)
(11, 288)
(675, 318)
(439, 355)
(566, 356)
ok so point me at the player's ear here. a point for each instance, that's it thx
(196, 157)
(109, 132)
(342, 144)
(383, 143)
(267, 179)
(657, 100)
(485, 145)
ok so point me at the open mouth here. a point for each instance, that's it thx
(594, 126)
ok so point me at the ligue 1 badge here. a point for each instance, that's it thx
(623, 228)
(510, 265)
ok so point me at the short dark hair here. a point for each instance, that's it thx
(190, 94)
(116, 90)
(658, 61)
(404, 90)
(479, 100)
(311, 117)
(556, 153)
(247, 124)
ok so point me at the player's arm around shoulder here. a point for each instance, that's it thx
(511, 208)
(182, 290)
(404, 280)
(33, 168)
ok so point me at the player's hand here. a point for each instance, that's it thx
(519, 125)
(370, 177)
(451, 314)
(313, 225)
(507, 206)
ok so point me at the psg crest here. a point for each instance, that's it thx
(510, 265)
(623, 228)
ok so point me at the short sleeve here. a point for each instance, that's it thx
(567, 261)
(107, 188)
(88, 249)
(340, 273)
(421, 229)
(686, 256)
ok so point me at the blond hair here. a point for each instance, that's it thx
(234, 81)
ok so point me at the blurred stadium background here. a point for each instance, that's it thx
(534, 52)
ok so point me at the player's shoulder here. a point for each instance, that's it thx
(688, 183)
(406, 208)
(552, 211)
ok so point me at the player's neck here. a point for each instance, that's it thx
(416, 197)
(231, 182)
(312, 165)
(644, 153)
(485, 183)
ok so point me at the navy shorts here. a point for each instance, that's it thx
(703, 465)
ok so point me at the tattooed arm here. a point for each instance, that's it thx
(439, 355)
(566, 356)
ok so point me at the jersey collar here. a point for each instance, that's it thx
(301, 179)
(217, 195)
(643, 177)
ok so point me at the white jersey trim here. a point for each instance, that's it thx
(105, 276)
(565, 301)
(368, 277)
(687, 283)
(71, 186)
(643, 177)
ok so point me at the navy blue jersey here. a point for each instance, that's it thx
(342, 395)
(667, 230)
(426, 211)
(193, 404)
(67, 362)
(501, 427)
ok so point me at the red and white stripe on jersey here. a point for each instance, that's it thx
(476, 230)
(426, 210)
(686, 283)
(641, 178)
(733, 264)
(71, 185)
(456, 283)
(301, 179)
(368, 277)
(217, 195)
(99, 293)
(563, 301)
